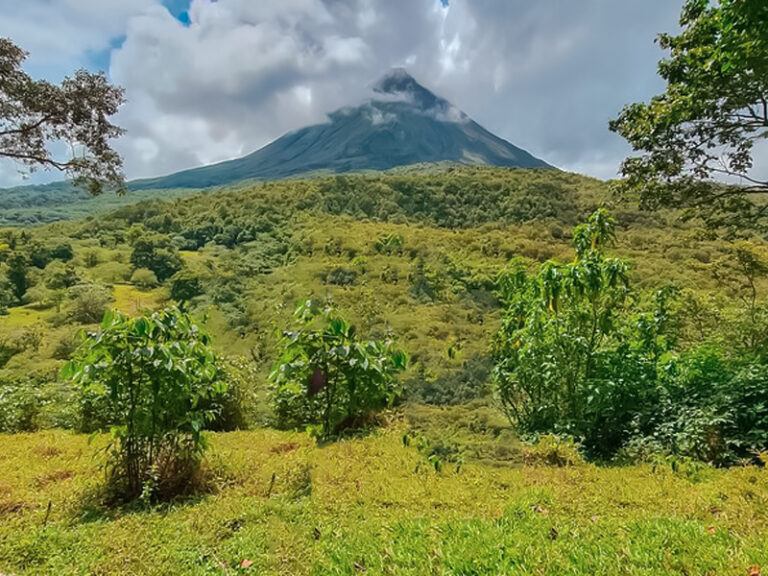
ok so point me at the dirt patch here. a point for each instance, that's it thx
(284, 448)
(46, 451)
(56, 476)
(8, 507)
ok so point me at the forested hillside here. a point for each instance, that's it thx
(388, 249)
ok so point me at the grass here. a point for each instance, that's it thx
(22, 316)
(131, 300)
(288, 506)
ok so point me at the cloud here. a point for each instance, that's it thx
(545, 75)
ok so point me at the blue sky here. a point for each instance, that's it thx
(179, 9)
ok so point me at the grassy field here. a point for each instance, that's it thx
(284, 505)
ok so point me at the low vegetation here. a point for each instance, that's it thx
(644, 351)
(283, 505)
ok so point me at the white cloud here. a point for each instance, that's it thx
(545, 75)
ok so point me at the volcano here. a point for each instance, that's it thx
(403, 123)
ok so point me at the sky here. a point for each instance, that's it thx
(209, 80)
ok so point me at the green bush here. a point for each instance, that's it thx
(185, 285)
(154, 381)
(570, 356)
(144, 278)
(328, 377)
(342, 276)
(157, 254)
(87, 303)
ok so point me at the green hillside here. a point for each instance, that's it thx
(416, 252)
(441, 483)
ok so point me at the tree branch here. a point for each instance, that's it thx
(27, 128)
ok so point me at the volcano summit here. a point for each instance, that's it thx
(403, 123)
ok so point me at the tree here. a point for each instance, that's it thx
(35, 113)
(157, 255)
(18, 266)
(707, 122)
(326, 376)
(88, 302)
(144, 278)
(185, 285)
(154, 382)
(570, 358)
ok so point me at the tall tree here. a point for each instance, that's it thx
(36, 113)
(701, 133)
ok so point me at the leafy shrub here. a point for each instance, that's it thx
(156, 383)
(342, 277)
(238, 403)
(19, 406)
(326, 376)
(144, 278)
(88, 303)
(570, 359)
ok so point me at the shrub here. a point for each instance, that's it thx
(91, 259)
(144, 278)
(88, 302)
(155, 382)
(326, 376)
(342, 277)
(185, 285)
(238, 403)
(59, 275)
(570, 358)
(19, 406)
(158, 255)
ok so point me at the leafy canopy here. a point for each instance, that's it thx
(35, 113)
(327, 376)
(570, 358)
(710, 117)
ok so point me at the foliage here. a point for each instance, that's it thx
(144, 278)
(157, 255)
(156, 382)
(710, 116)
(87, 303)
(326, 376)
(568, 361)
(34, 113)
(342, 276)
(18, 267)
(185, 285)
(580, 353)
